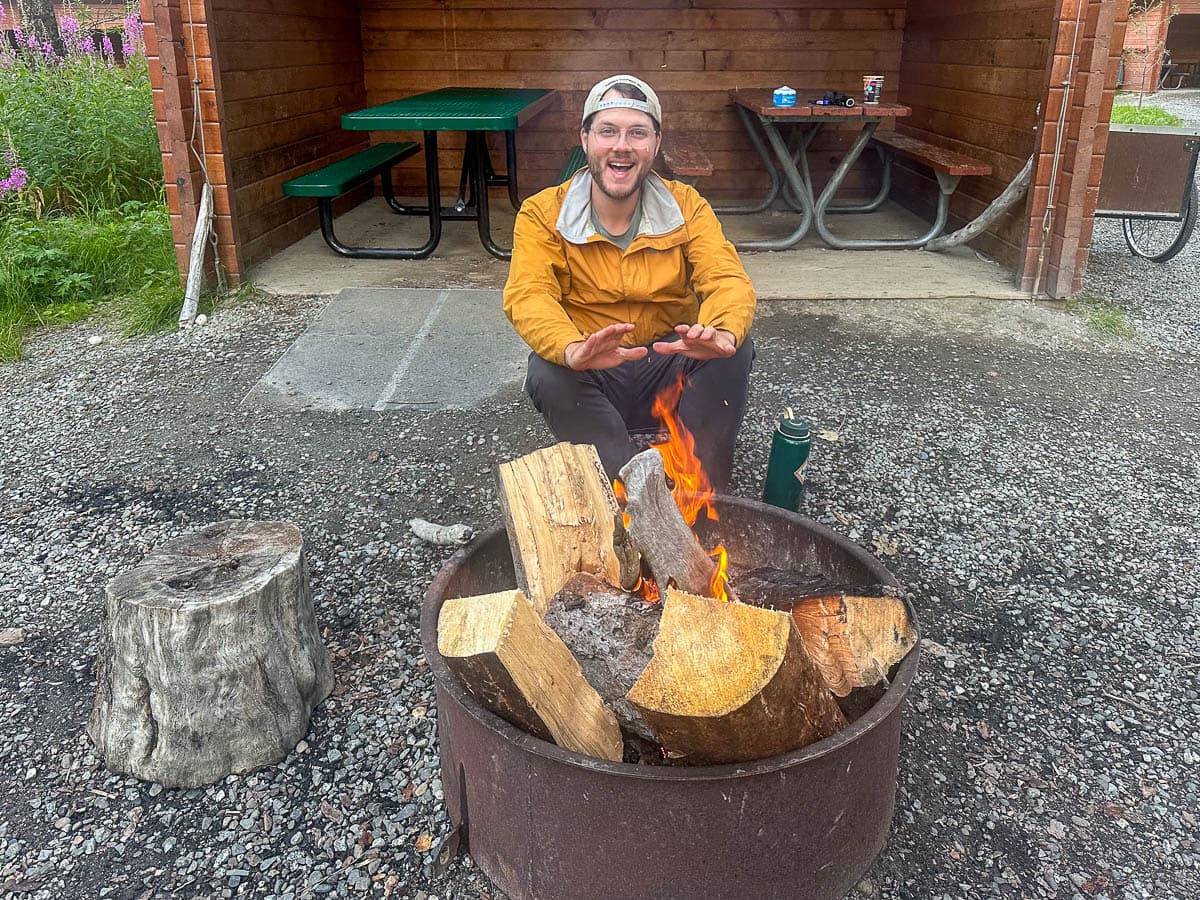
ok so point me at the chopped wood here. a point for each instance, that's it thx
(210, 661)
(516, 666)
(559, 509)
(730, 682)
(854, 641)
(658, 529)
(777, 588)
(611, 634)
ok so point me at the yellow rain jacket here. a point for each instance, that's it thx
(568, 281)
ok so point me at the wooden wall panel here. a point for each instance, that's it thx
(288, 72)
(692, 52)
(974, 73)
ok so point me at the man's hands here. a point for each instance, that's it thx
(603, 350)
(699, 342)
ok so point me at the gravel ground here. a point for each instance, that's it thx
(1034, 486)
(1162, 300)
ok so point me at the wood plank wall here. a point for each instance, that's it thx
(974, 73)
(690, 51)
(288, 71)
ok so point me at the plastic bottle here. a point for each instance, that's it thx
(785, 469)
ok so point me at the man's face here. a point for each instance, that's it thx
(621, 145)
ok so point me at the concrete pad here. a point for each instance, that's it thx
(382, 349)
(811, 271)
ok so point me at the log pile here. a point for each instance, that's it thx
(587, 655)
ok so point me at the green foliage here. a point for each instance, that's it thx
(55, 270)
(1128, 114)
(1102, 314)
(84, 132)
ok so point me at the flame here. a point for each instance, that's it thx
(622, 497)
(647, 589)
(693, 492)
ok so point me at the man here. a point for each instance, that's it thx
(621, 282)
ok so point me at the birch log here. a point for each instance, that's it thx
(998, 207)
(210, 661)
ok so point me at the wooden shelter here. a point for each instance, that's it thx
(1162, 46)
(1000, 80)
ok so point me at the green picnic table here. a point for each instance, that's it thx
(474, 111)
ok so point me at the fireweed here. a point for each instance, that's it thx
(82, 216)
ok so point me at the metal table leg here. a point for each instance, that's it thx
(433, 190)
(480, 165)
(946, 184)
(765, 156)
(800, 188)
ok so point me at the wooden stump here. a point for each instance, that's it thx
(210, 662)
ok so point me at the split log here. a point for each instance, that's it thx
(732, 683)
(559, 509)
(611, 634)
(658, 529)
(777, 588)
(854, 641)
(516, 666)
(210, 660)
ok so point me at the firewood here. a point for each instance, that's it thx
(516, 666)
(777, 588)
(854, 640)
(658, 528)
(559, 509)
(730, 682)
(611, 634)
(210, 662)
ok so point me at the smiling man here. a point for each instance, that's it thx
(620, 283)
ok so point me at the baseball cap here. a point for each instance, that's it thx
(650, 105)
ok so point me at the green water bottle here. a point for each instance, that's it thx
(785, 469)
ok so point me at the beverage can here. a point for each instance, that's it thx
(872, 88)
(786, 467)
(784, 96)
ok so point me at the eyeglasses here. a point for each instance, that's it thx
(637, 136)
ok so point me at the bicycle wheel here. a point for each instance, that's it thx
(1159, 240)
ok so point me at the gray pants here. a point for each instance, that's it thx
(602, 406)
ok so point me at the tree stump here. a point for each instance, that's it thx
(210, 661)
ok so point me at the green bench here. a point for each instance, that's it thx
(329, 182)
(684, 160)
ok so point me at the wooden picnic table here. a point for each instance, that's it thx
(788, 167)
(475, 111)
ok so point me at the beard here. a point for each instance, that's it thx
(598, 167)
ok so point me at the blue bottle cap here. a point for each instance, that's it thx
(794, 428)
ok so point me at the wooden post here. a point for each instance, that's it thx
(210, 661)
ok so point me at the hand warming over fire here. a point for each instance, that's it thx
(603, 350)
(699, 342)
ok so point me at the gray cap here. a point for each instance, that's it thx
(650, 105)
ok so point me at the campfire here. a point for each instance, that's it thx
(627, 640)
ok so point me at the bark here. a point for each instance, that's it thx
(998, 207)
(210, 661)
(658, 529)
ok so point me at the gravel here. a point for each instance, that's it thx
(1034, 485)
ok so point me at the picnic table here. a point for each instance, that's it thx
(475, 111)
(787, 165)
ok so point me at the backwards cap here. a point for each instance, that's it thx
(650, 105)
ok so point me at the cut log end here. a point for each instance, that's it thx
(732, 683)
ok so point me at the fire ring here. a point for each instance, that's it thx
(549, 824)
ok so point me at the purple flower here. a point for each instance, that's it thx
(106, 50)
(69, 26)
(16, 180)
(88, 46)
(131, 37)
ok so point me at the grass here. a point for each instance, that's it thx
(1129, 114)
(83, 221)
(1101, 314)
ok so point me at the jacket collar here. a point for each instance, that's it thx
(660, 211)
